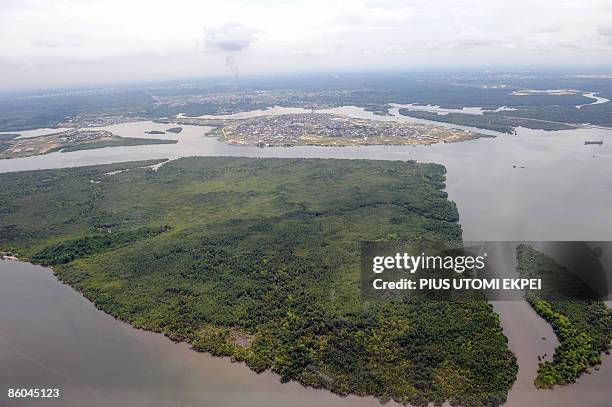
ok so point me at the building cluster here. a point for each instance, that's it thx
(240, 101)
(97, 120)
(80, 135)
(292, 129)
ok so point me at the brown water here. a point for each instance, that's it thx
(50, 336)
(529, 336)
(562, 193)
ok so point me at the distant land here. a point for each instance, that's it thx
(11, 146)
(488, 121)
(531, 99)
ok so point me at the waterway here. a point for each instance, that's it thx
(535, 185)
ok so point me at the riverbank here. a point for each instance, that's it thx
(136, 367)
(288, 250)
(132, 367)
(481, 180)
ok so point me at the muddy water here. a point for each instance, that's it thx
(535, 185)
(50, 336)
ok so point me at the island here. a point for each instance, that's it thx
(259, 260)
(325, 129)
(583, 328)
(11, 146)
(488, 120)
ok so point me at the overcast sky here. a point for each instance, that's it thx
(47, 43)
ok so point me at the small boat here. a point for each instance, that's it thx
(600, 142)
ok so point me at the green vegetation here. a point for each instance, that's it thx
(584, 328)
(373, 92)
(114, 142)
(66, 252)
(486, 121)
(259, 259)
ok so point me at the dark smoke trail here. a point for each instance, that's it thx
(230, 62)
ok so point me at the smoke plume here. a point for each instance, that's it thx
(230, 38)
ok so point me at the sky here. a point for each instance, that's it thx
(54, 43)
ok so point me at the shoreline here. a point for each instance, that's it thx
(204, 365)
(514, 392)
(150, 331)
(183, 341)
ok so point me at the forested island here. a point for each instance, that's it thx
(258, 259)
(488, 121)
(114, 142)
(584, 328)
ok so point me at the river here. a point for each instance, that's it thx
(50, 336)
(534, 185)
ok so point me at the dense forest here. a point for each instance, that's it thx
(584, 328)
(113, 142)
(487, 121)
(258, 259)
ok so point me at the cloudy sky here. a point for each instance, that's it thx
(48, 43)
